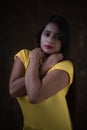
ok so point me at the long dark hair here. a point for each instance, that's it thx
(63, 26)
(72, 99)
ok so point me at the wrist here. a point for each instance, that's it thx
(34, 63)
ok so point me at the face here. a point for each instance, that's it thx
(50, 42)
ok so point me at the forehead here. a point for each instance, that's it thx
(52, 28)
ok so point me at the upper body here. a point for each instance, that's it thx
(44, 76)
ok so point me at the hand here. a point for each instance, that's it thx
(53, 59)
(36, 55)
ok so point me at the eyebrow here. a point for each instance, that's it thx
(47, 31)
(50, 32)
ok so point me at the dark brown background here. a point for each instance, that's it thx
(19, 23)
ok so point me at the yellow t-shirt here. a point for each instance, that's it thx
(51, 114)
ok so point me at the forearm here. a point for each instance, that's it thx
(17, 88)
(32, 81)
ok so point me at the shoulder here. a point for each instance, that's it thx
(66, 66)
(23, 51)
(23, 55)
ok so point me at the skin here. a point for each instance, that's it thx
(35, 82)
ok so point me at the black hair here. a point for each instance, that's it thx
(72, 98)
(64, 32)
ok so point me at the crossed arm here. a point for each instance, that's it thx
(36, 83)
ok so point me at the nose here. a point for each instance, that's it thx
(51, 39)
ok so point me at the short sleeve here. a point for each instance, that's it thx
(24, 56)
(66, 66)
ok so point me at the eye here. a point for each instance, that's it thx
(47, 34)
(57, 37)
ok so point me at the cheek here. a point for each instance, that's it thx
(58, 46)
(42, 40)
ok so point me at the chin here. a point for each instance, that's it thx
(47, 51)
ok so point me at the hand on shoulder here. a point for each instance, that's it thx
(50, 62)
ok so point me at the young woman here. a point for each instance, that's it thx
(41, 78)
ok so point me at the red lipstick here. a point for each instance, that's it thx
(48, 46)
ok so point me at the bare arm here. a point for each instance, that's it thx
(38, 90)
(17, 79)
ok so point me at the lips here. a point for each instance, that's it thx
(48, 46)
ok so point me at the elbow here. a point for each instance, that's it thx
(11, 92)
(33, 99)
(12, 95)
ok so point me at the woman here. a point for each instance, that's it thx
(41, 78)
